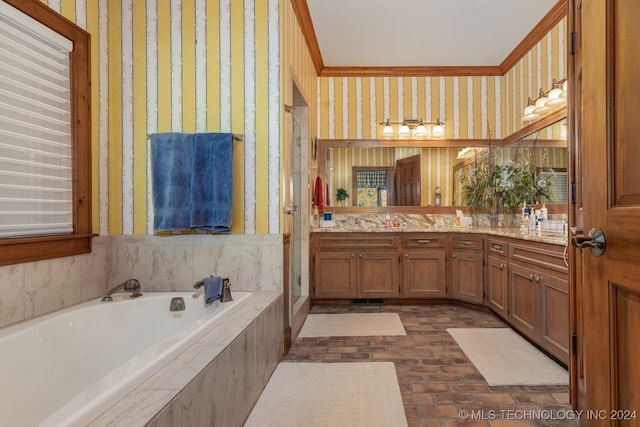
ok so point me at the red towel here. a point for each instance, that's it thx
(327, 199)
(317, 195)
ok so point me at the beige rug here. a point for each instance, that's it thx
(505, 358)
(352, 325)
(330, 394)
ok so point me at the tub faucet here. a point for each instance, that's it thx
(130, 285)
(226, 288)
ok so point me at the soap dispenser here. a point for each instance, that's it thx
(437, 197)
(544, 212)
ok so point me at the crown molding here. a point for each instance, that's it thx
(489, 70)
(538, 32)
(301, 9)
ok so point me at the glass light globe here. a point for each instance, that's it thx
(541, 108)
(438, 130)
(387, 132)
(404, 131)
(421, 131)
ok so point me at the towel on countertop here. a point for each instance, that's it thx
(171, 163)
(212, 289)
(212, 182)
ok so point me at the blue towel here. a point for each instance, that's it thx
(171, 166)
(212, 289)
(212, 182)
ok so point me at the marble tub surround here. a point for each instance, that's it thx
(171, 263)
(36, 288)
(174, 263)
(217, 380)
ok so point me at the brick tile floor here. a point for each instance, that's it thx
(437, 381)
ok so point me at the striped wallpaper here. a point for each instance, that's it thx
(298, 69)
(472, 107)
(536, 70)
(182, 66)
(228, 66)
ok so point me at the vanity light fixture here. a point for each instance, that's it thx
(541, 108)
(387, 131)
(553, 97)
(546, 102)
(421, 130)
(404, 132)
(438, 129)
(529, 114)
(412, 129)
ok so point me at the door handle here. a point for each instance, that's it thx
(595, 241)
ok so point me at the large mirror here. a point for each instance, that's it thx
(374, 174)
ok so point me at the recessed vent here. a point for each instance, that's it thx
(376, 301)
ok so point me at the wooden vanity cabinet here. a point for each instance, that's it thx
(424, 266)
(467, 267)
(356, 265)
(523, 300)
(496, 285)
(539, 295)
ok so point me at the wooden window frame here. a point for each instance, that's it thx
(19, 250)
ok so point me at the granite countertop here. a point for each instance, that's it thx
(552, 238)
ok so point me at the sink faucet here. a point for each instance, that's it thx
(130, 285)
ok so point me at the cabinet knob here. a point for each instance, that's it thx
(406, 255)
(539, 278)
(502, 266)
(532, 276)
(353, 255)
(360, 255)
(454, 256)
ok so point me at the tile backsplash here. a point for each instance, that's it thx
(167, 263)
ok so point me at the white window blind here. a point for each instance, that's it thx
(35, 128)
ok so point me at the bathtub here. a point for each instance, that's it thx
(66, 368)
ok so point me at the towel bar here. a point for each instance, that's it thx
(236, 136)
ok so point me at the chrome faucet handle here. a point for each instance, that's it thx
(198, 284)
(133, 286)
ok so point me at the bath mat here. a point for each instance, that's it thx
(505, 358)
(352, 325)
(330, 394)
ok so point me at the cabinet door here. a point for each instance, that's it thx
(496, 285)
(467, 276)
(377, 274)
(424, 273)
(554, 329)
(335, 274)
(522, 299)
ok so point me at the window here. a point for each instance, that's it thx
(45, 172)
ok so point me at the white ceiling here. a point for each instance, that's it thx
(391, 33)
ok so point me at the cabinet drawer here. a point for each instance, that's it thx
(356, 240)
(498, 247)
(467, 241)
(539, 254)
(424, 240)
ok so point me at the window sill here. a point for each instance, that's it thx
(15, 251)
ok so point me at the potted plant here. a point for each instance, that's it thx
(341, 194)
(504, 186)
